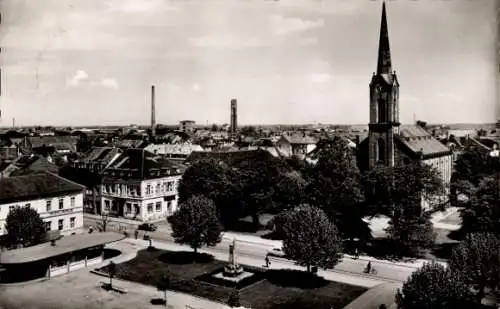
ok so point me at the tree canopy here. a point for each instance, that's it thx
(196, 223)
(311, 239)
(24, 226)
(433, 287)
(477, 260)
(481, 212)
(335, 187)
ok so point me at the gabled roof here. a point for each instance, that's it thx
(44, 184)
(419, 141)
(100, 155)
(300, 139)
(136, 163)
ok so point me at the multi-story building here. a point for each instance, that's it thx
(58, 200)
(140, 185)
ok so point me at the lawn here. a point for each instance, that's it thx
(283, 289)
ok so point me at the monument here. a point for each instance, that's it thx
(232, 269)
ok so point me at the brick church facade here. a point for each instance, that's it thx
(389, 143)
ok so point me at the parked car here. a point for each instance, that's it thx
(149, 227)
(276, 252)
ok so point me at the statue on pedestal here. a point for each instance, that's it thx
(232, 269)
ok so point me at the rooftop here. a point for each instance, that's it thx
(35, 186)
(418, 140)
(64, 245)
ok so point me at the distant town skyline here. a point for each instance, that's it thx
(92, 62)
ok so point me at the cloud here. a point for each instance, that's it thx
(281, 25)
(79, 77)
(320, 78)
(224, 41)
(110, 83)
(135, 6)
(196, 87)
(308, 41)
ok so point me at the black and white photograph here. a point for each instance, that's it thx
(249, 154)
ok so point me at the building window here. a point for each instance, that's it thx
(11, 208)
(158, 206)
(382, 111)
(170, 186)
(129, 208)
(381, 151)
(169, 207)
(150, 208)
(137, 209)
(48, 206)
(148, 189)
(61, 203)
(164, 187)
(158, 188)
(60, 224)
(48, 225)
(106, 205)
(72, 202)
(72, 222)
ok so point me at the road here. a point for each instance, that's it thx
(254, 251)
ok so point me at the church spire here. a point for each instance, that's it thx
(384, 52)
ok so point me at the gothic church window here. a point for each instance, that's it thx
(381, 151)
(382, 111)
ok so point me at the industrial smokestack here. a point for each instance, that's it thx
(153, 117)
(234, 116)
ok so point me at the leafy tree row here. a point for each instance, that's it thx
(474, 269)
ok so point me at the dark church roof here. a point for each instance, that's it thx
(417, 140)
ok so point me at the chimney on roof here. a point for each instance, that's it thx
(153, 116)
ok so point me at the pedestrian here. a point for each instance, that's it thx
(356, 253)
(267, 261)
(369, 267)
(90, 229)
(136, 234)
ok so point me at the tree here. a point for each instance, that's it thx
(410, 232)
(398, 192)
(196, 223)
(24, 226)
(289, 191)
(472, 165)
(215, 180)
(111, 273)
(278, 222)
(421, 123)
(481, 213)
(433, 287)
(234, 299)
(162, 285)
(477, 259)
(335, 187)
(311, 239)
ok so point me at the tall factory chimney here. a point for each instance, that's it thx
(234, 116)
(153, 117)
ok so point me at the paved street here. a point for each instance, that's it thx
(252, 251)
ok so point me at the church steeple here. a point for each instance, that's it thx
(384, 104)
(384, 53)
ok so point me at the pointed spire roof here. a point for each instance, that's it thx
(384, 53)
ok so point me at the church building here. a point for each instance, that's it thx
(389, 143)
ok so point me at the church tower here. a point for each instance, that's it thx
(384, 104)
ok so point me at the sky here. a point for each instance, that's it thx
(92, 62)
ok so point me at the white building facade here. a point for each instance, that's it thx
(60, 204)
(142, 200)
